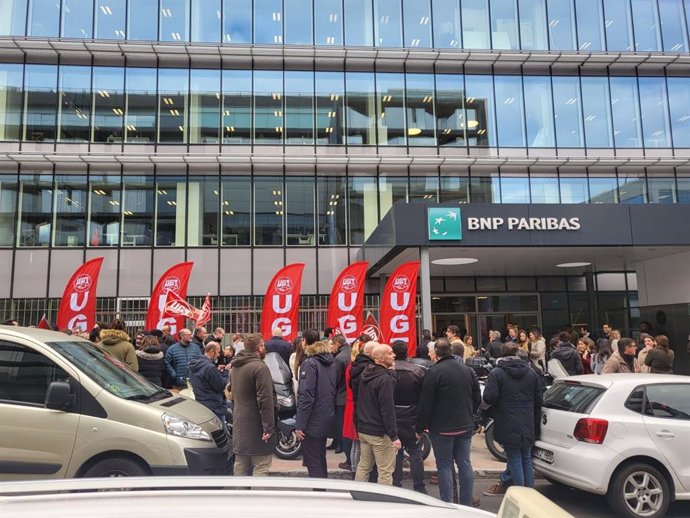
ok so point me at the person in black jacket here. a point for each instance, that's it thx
(207, 382)
(151, 362)
(450, 397)
(342, 351)
(376, 426)
(316, 406)
(276, 344)
(514, 389)
(493, 348)
(408, 388)
(567, 354)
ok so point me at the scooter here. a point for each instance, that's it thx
(289, 446)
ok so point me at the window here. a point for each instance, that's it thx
(268, 211)
(419, 104)
(330, 107)
(486, 188)
(515, 189)
(299, 197)
(661, 189)
(632, 187)
(44, 18)
(504, 27)
(104, 214)
(533, 25)
(328, 21)
(544, 189)
(671, 401)
(673, 27)
(635, 400)
(363, 208)
(618, 25)
(143, 20)
(236, 203)
(625, 112)
(567, 111)
(361, 108)
(268, 106)
(391, 191)
(655, 119)
(204, 107)
(140, 121)
(40, 98)
(36, 209)
(359, 23)
(75, 104)
(455, 188)
(590, 25)
(77, 18)
(603, 189)
(562, 34)
(108, 104)
(299, 107)
(646, 24)
(539, 111)
(10, 101)
(417, 15)
(25, 374)
(479, 111)
(174, 18)
(8, 205)
(71, 199)
(595, 109)
(510, 115)
(138, 211)
(331, 210)
(202, 216)
(388, 23)
(475, 24)
(574, 189)
(237, 21)
(450, 110)
(574, 398)
(110, 19)
(390, 106)
(446, 14)
(237, 106)
(268, 21)
(423, 189)
(171, 210)
(298, 22)
(679, 105)
(14, 20)
(206, 20)
(172, 104)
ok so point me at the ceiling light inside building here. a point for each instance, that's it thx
(413, 132)
(453, 261)
(573, 265)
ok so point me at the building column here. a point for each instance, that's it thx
(425, 286)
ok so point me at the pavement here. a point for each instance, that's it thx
(484, 464)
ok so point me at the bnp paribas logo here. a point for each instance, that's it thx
(444, 224)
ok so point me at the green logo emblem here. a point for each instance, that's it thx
(444, 224)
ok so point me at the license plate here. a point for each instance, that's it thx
(542, 454)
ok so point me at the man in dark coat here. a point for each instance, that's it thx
(362, 360)
(342, 352)
(199, 338)
(177, 359)
(408, 389)
(567, 354)
(207, 382)
(276, 344)
(378, 433)
(493, 348)
(255, 409)
(316, 406)
(513, 388)
(450, 397)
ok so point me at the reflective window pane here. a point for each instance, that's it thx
(539, 110)
(174, 18)
(455, 189)
(40, 98)
(8, 205)
(391, 190)
(331, 211)
(328, 22)
(625, 112)
(142, 104)
(450, 110)
(618, 25)
(330, 107)
(562, 35)
(567, 111)
(361, 108)
(363, 205)
(104, 212)
(110, 19)
(268, 21)
(590, 25)
(206, 20)
(673, 25)
(171, 211)
(661, 190)
(77, 18)
(11, 77)
(654, 108)
(574, 189)
(203, 216)
(515, 189)
(75, 104)
(142, 16)
(479, 110)
(632, 187)
(390, 106)
(487, 189)
(544, 189)
(300, 211)
(138, 211)
(299, 107)
(172, 95)
(533, 25)
(236, 203)
(387, 23)
(420, 109)
(237, 21)
(13, 22)
(35, 209)
(683, 186)
(71, 203)
(298, 22)
(268, 106)
(504, 27)
(44, 18)
(646, 23)
(204, 104)
(603, 189)
(595, 110)
(268, 211)
(237, 106)
(509, 111)
(359, 23)
(679, 105)
(423, 189)
(446, 24)
(475, 24)
(417, 15)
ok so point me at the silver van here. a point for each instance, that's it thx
(68, 409)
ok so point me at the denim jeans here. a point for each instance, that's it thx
(520, 466)
(449, 449)
(413, 447)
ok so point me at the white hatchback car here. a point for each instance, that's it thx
(626, 436)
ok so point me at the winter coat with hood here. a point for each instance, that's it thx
(376, 402)
(152, 364)
(255, 405)
(567, 354)
(116, 343)
(208, 385)
(317, 391)
(342, 360)
(177, 360)
(514, 390)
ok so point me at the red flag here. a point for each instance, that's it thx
(346, 304)
(371, 327)
(281, 305)
(78, 303)
(44, 324)
(175, 280)
(398, 306)
(175, 306)
(205, 313)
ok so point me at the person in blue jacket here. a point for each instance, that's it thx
(177, 359)
(207, 381)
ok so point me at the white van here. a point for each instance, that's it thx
(68, 409)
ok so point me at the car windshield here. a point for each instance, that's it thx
(108, 372)
(572, 397)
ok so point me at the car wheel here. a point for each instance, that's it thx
(639, 490)
(495, 448)
(116, 467)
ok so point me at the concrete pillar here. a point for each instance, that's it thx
(425, 286)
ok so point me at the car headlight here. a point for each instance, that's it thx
(175, 425)
(286, 401)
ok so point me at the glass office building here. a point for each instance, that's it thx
(248, 134)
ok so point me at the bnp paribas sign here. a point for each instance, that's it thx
(445, 223)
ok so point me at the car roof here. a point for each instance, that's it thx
(624, 379)
(260, 497)
(42, 335)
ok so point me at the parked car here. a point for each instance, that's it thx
(626, 436)
(69, 409)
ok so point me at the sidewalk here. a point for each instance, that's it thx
(484, 464)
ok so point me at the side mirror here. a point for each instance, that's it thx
(59, 396)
